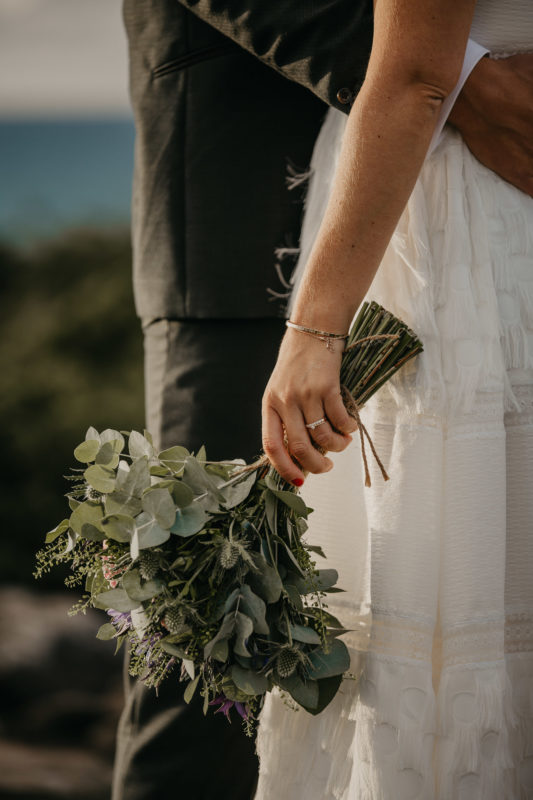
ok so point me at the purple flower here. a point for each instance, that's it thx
(120, 619)
(225, 705)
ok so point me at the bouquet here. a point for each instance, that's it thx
(202, 567)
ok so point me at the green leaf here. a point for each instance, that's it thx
(91, 532)
(249, 681)
(52, 535)
(224, 632)
(255, 608)
(325, 665)
(315, 548)
(243, 629)
(266, 581)
(159, 504)
(119, 527)
(173, 649)
(200, 482)
(294, 596)
(115, 438)
(238, 491)
(181, 494)
(232, 692)
(107, 456)
(86, 451)
(134, 480)
(118, 599)
(87, 512)
(100, 478)
(92, 433)
(201, 455)
(271, 510)
(220, 650)
(327, 689)
(190, 690)
(139, 446)
(324, 580)
(131, 582)
(189, 520)
(149, 533)
(106, 632)
(303, 692)
(291, 499)
(304, 633)
(174, 458)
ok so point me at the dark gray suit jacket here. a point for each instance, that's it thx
(217, 121)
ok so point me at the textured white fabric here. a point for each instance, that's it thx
(437, 562)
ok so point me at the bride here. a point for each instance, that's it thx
(438, 562)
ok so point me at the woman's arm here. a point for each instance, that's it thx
(416, 58)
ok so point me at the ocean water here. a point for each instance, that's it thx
(56, 174)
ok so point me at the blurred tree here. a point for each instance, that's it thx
(70, 357)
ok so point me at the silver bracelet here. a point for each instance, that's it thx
(324, 336)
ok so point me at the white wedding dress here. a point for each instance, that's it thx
(437, 562)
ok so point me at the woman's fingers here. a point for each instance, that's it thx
(337, 414)
(274, 447)
(299, 445)
(323, 434)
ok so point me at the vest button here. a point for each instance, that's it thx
(345, 95)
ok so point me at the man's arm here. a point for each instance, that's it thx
(494, 114)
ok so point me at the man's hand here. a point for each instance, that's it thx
(494, 114)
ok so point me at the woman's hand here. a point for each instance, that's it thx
(303, 388)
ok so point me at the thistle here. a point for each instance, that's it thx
(174, 620)
(148, 564)
(228, 555)
(287, 661)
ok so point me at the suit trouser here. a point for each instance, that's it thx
(204, 380)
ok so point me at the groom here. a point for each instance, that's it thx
(215, 128)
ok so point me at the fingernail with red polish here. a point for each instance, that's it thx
(298, 481)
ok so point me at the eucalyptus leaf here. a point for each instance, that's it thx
(243, 630)
(201, 482)
(107, 456)
(304, 633)
(305, 693)
(294, 596)
(265, 581)
(224, 632)
(248, 681)
(92, 433)
(201, 455)
(220, 651)
(86, 512)
(115, 438)
(159, 504)
(174, 458)
(173, 649)
(181, 494)
(106, 632)
(334, 662)
(86, 451)
(189, 520)
(135, 480)
(52, 535)
(188, 694)
(238, 491)
(119, 527)
(254, 607)
(138, 446)
(117, 599)
(149, 532)
(131, 582)
(100, 478)
(91, 532)
(323, 581)
(232, 692)
(327, 689)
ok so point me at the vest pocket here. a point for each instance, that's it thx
(191, 58)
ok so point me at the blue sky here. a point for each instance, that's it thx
(62, 58)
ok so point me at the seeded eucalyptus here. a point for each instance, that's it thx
(203, 567)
